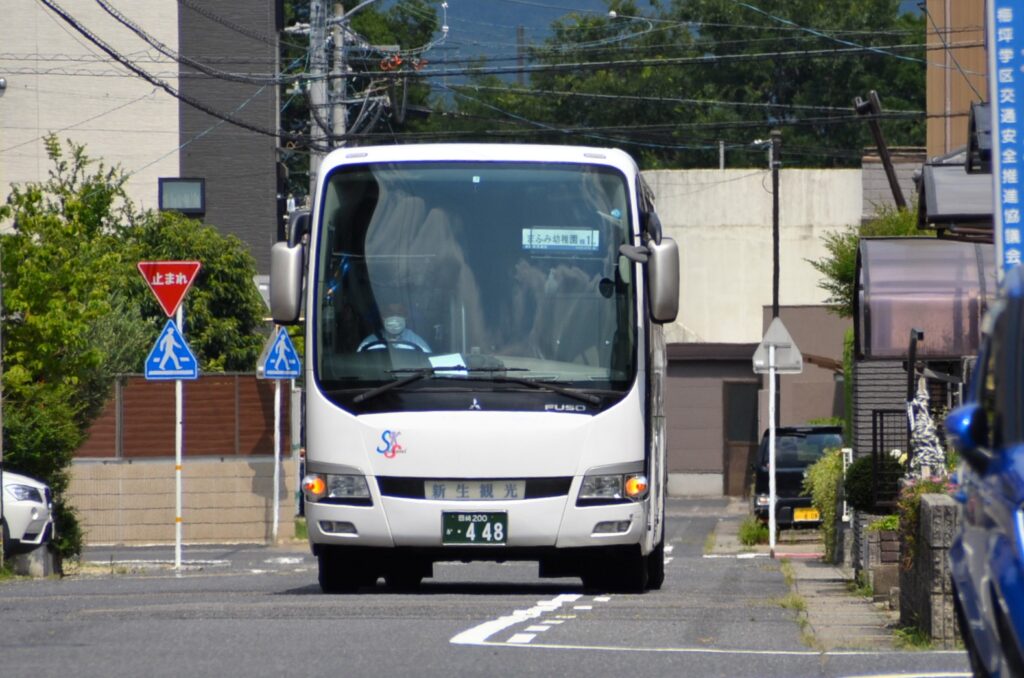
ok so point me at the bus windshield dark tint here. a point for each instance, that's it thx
(485, 266)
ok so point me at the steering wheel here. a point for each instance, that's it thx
(403, 345)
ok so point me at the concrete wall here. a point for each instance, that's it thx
(58, 82)
(722, 220)
(225, 500)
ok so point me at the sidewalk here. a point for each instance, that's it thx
(837, 617)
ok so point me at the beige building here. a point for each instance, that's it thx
(722, 220)
(58, 82)
(956, 76)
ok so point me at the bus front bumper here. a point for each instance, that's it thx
(528, 524)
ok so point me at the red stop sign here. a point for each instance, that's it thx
(169, 281)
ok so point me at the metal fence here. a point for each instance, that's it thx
(889, 431)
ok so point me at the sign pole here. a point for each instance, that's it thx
(171, 358)
(178, 444)
(278, 361)
(771, 450)
(277, 456)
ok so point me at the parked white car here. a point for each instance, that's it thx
(26, 514)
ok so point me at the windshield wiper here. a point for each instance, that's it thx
(548, 386)
(417, 374)
(495, 374)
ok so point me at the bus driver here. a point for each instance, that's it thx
(394, 333)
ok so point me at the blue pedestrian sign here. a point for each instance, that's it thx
(171, 358)
(282, 360)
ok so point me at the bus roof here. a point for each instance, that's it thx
(483, 152)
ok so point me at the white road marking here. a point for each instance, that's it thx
(669, 548)
(478, 635)
(740, 652)
(283, 560)
(537, 628)
(602, 599)
(145, 563)
(522, 638)
(583, 607)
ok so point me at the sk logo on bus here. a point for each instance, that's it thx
(389, 446)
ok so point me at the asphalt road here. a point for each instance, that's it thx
(252, 611)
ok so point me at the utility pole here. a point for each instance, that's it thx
(872, 109)
(339, 107)
(317, 89)
(775, 161)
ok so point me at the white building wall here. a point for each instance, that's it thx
(57, 81)
(722, 220)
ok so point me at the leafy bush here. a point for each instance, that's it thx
(909, 509)
(889, 523)
(753, 531)
(860, 483)
(822, 483)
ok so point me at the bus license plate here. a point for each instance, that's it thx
(474, 528)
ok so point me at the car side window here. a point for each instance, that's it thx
(987, 395)
(992, 388)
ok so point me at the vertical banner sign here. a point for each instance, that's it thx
(171, 358)
(1006, 76)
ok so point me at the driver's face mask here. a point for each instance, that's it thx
(394, 325)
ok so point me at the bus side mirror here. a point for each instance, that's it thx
(663, 280)
(298, 226)
(651, 225)
(286, 282)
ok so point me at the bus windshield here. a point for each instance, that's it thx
(455, 269)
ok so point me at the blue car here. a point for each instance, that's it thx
(987, 556)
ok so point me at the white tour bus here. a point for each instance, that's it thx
(484, 362)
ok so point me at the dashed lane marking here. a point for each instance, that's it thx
(479, 634)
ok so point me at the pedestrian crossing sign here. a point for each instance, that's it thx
(280, 360)
(171, 358)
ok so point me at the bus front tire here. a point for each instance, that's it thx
(624, 572)
(339, 574)
(656, 567)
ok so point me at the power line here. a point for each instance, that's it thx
(952, 56)
(665, 100)
(709, 59)
(188, 61)
(118, 57)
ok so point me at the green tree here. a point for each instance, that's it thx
(839, 267)
(670, 83)
(76, 312)
(223, 309)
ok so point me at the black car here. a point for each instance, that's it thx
(796, 448)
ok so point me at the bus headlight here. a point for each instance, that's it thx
(335, 488)
(612, 489)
